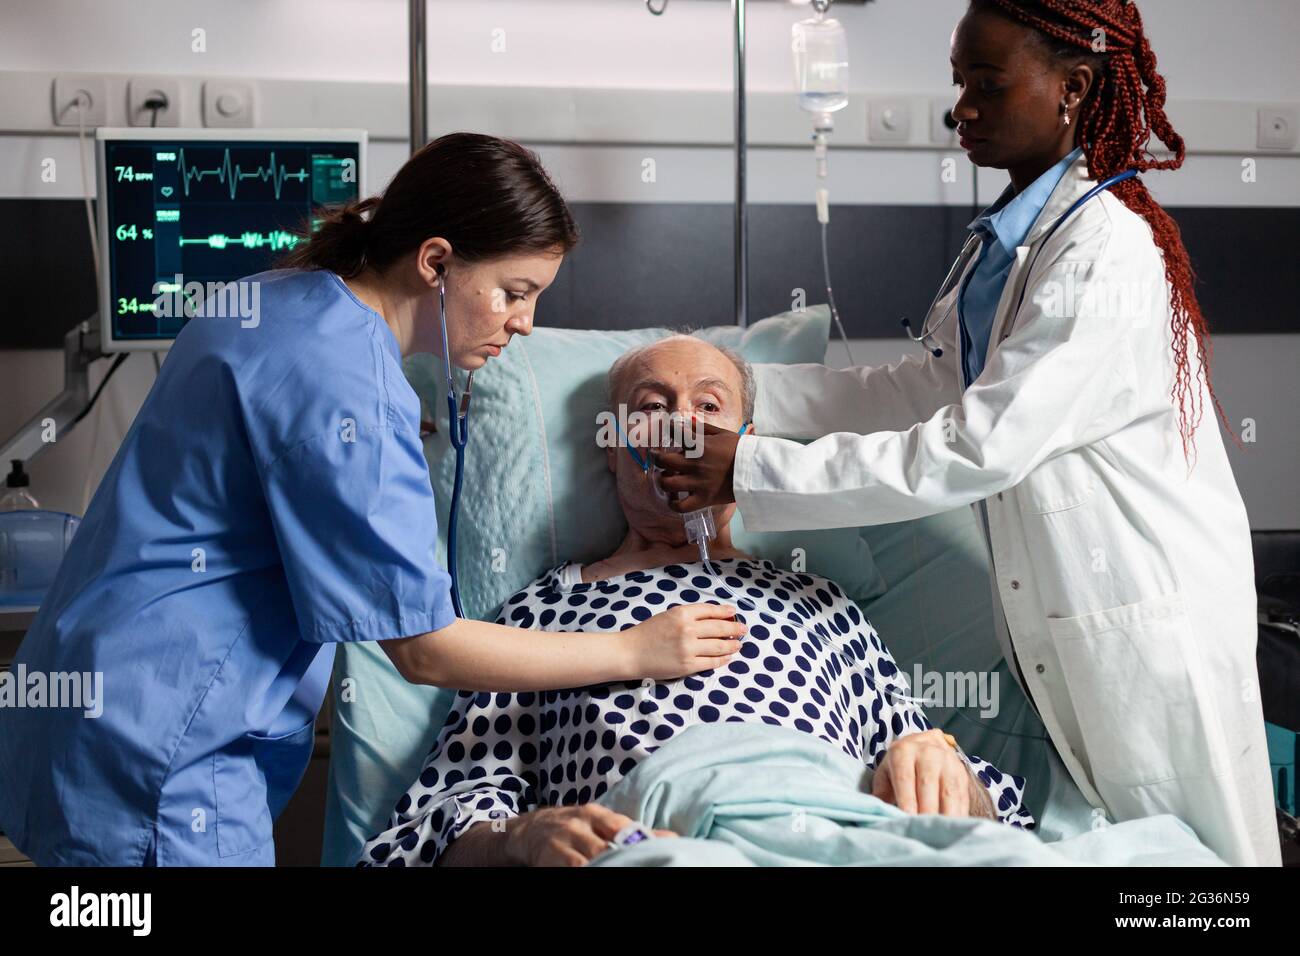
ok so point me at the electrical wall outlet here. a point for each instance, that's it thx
(1277, 128)
(889, 120)
(942, 134)
(140, 90)
(229, 103)
(90, 90)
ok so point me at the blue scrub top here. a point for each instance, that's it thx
(1003, 227)
(270, 500)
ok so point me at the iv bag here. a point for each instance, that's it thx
(821, 64)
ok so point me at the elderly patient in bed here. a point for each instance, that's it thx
(512, 778)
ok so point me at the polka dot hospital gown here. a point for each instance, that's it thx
(810, 661)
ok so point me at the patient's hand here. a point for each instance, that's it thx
(921, 773)
(565, 836)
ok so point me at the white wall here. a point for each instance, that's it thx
(1207, 50)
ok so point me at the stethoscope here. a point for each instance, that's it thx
(968, 252)
(458, 426)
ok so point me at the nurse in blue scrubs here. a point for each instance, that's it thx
(271, 500)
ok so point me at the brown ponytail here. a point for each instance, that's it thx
(486, 196)
(339, 242)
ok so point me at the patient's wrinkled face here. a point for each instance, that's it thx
(682, 375)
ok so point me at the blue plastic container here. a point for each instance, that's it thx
(32, 546)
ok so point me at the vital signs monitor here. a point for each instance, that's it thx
(184, 209)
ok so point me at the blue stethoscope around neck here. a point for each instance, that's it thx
(458, 426)
(968, 252)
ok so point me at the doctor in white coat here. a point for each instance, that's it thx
(1058, 396)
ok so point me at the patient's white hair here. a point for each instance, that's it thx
(613, 381)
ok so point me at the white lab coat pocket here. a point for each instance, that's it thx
(1064, 482)
(1133, 677)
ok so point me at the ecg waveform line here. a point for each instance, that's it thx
(232, 173)
(277, 239)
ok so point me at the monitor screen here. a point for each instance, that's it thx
(183, 210)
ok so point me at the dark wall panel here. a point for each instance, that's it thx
(47, 276)
(671, 264)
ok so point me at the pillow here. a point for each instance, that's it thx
(536, 492)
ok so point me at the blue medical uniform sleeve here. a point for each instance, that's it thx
(354, 517)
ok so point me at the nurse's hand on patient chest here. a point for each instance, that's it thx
(685, 640)
(921, 773)
(476, 655)
(706, 477)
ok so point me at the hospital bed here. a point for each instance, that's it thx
(922, 583)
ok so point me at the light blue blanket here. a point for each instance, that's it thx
(758, 795)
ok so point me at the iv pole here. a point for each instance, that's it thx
(742, 210)
(418, 78)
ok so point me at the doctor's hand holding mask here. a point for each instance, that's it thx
(703, 472)
(1065, 413)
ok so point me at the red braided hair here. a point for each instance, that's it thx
(1126, 105)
